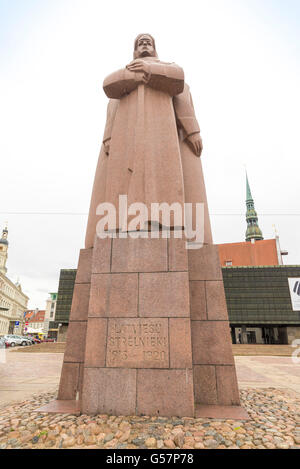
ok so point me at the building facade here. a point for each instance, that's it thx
(34, 321)
(50, 316)
(13, 302)
(64, 302)
(260, 305)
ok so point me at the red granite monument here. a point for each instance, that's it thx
(149, 331)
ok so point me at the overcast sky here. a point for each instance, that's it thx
(242, 61)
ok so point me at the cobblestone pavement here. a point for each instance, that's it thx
(274, 424)
(270, 392)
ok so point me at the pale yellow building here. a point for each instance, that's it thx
(13, 302)
(50, 313)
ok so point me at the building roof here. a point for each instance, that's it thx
(260, 295)
(263, 252)
(39, 317)
(28, 314)
(35, 316)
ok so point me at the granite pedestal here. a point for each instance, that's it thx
(149, 332)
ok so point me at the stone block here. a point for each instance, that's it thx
(138, 343)
(114, 295)
(205, 385)
(96, 343)
(211, 343)
(180, 343)
(139, 255)
(198, 301)
(166, 393)
(101, 261)
(75, 346)
(216, 301)
(204, 263)
(80, 303)
(80, 383)
(84, 266)
(69, 381)
(60, 407)
(90, 391)
(220, 412)
(178, 257)
(164, 295)
(227, 386)
(109, 391)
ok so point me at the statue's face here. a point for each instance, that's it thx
(145, 47)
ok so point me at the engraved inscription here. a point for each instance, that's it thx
(138, 343)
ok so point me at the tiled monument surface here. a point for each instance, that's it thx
(149, 331)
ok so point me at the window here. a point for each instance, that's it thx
(228, 263)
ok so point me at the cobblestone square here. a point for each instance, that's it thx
(269, 388)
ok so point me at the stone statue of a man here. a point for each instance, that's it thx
(151, 141)
(149, 331)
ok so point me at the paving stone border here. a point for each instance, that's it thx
(274, 424)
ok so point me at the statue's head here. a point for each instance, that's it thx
(144, 46)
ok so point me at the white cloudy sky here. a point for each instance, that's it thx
(242, 61)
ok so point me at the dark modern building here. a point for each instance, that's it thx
(258, 300)
(260, 305)
(64, 302)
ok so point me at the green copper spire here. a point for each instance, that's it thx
(248, 195)
(253, 230)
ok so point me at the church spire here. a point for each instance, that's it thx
(248, 195)
(253, 230)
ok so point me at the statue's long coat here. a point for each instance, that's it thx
(149, 159)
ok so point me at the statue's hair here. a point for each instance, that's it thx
(137, 40)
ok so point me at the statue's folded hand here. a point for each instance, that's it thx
(195, 141)
(139, 66)
(141, 69)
